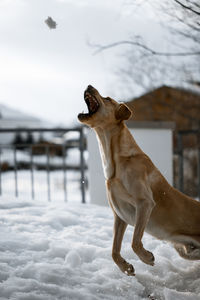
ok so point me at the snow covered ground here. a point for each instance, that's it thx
(51, 251)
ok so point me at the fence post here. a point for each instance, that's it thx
(0, 175)
(64, 173)
(48, 174)
(180, 163)
(32, 177)
(82, 164)
(198, 162)
(15, 168)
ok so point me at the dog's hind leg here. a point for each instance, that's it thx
(188, 251)
(188, 247)
(119, 229)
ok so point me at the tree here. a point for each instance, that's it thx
(147, 66)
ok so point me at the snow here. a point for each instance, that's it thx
(61, 250)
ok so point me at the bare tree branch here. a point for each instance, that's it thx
(145, 65)
(196, 4)
(188, 7)
(191, 26)
(101, 48)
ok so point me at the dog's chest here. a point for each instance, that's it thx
(127, 213)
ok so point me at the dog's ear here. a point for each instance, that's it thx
(123, 112)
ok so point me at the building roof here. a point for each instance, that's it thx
(168, 104)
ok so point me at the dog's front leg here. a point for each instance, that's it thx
(119, 229)
(143, 211)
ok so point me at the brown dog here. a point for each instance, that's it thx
(137, 192)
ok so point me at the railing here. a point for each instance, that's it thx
(195, 141)
(31, 163)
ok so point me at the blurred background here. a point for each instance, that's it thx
(145, 53)
(45, 71)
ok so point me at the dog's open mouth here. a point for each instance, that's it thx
(92, 104)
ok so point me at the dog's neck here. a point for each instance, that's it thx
(113, 142)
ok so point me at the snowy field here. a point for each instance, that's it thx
(52, 251)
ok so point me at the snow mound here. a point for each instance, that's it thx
(63, 251)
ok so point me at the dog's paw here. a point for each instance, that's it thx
(148, 258)
(127, 268)
(130, 270)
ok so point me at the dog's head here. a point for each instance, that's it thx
(102, 111)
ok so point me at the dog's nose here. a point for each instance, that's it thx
(90, 87)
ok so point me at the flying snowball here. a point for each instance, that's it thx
(50, 23)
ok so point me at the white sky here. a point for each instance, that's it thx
(44, 72)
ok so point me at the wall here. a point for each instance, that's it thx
(155, 142)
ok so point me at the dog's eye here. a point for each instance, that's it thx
(108, 98)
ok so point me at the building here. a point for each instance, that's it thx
(169, 104)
